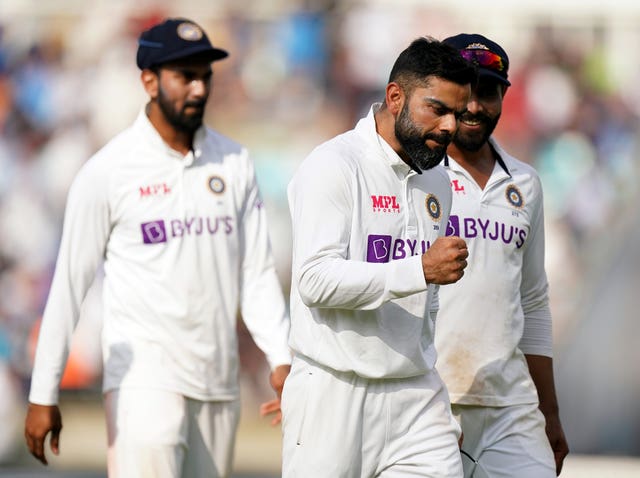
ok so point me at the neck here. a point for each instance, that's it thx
(385, 127)
(179, 140)
(479, 164)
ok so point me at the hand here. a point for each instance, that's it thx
(42, 419)
(272, 407)
(558, 441)
(445, 260)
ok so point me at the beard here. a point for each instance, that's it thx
(473, 141)
(414, 144)
(180, 119)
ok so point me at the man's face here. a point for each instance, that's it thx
(427, 121)
(482, 115)
(183, 90)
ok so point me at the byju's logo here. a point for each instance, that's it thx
(379, 248)
(382, 248)
(154, 232)
(470, 228)
(159, 231)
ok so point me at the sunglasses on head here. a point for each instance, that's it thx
(484, 58)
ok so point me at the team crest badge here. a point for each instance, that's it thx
(514, 196)
(216, 184)
(189, 32)
(433, 207)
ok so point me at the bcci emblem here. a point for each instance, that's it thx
(433, 207)
(514, 196)
(216, 184)
(189, 31)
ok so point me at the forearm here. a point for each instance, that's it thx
(348, 284)
(541, 370)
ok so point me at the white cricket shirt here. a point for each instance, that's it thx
(362, 219)
(499, 310)
(185, 245)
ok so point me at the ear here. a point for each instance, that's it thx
(150, 82)
(394, 98)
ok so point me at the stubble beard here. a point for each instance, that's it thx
(414, 144)
(181, 120)
(473, 142)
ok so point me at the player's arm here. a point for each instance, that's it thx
(536, 342)
(541, 370)
(85, 232)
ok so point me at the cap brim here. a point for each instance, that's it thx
(492, 74)
(210, 54)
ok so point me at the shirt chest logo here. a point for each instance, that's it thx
(385, 204)
(433, 207)
(160, 189)
(456, 187)
(514, 196)
(216, 184)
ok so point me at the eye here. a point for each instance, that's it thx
(439, 110)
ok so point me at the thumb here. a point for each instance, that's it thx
(55, 442)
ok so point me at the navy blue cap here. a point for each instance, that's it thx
(489, 57)
(174, 39)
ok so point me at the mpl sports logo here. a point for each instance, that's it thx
(383, 248)
(471, 227)
(159, 189)
(385, 204)
(161, 231)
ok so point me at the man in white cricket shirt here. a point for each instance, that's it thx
(173, 209)
(369, 211)
(494, 329)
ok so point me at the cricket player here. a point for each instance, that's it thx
(369, 210)
(494, 328)
(173, 210)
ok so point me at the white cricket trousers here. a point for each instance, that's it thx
(161, 434)
(340, 425)
(505, 442)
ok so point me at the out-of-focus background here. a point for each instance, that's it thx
(299, 73)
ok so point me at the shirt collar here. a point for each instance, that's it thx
(502, 158)
(384, 150)
(144, 125)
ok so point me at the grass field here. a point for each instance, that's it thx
(258, 449)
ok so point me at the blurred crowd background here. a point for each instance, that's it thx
(299, 73)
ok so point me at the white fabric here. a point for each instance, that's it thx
(505, 442)
(359, 301)
(185, 244)
(340, 425)
(499, 310)
(159, 434)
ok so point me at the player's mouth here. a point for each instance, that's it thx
(473, 121)
(437, 140)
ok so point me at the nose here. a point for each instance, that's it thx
(199, 88)
(473, 105)
(448, 123)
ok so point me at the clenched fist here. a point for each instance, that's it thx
(445, 260)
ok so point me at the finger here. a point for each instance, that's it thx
(54, 443)
(37, 450)
(269, 407)
(277, 419)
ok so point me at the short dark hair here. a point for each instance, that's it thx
(427, 57)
